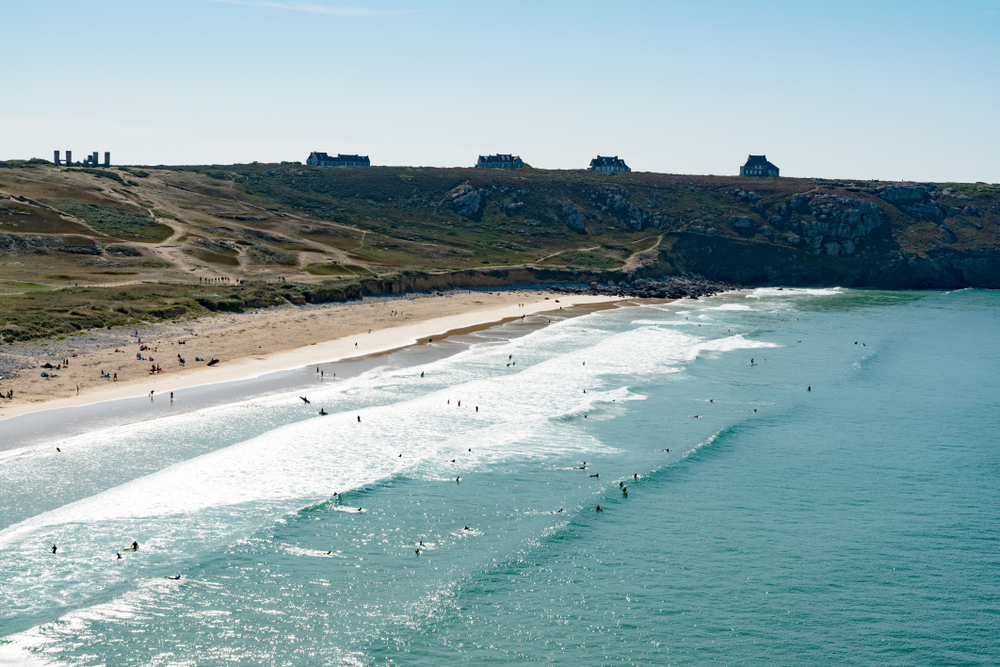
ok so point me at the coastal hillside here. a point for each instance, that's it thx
(96, 247)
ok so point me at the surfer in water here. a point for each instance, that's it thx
(53, 548)
(173, 578)
(323, 411)
(304, 399)
(599, 509)
(135, 546)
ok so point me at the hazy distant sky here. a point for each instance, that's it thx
(843, 89)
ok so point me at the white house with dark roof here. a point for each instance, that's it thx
(323, 160)
(757, 165)
(499, 161)
(608, 164)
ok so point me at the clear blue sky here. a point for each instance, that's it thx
(844, 89)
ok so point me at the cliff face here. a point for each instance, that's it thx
(314, 225)
(744, 230)
(746, 263)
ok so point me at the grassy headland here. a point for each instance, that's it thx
(81, 248)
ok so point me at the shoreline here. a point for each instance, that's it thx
(435, 317)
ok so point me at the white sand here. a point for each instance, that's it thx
(340, 331)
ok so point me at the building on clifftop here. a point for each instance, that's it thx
(324, 160)
(608, 164)
(757, 165)
(499, 161)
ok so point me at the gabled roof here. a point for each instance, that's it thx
(499, 157)
(601, 161)
(758, 160)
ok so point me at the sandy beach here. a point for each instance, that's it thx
(249, 344)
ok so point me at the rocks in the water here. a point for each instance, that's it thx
(674, 287)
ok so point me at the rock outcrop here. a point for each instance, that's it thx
(467, 201)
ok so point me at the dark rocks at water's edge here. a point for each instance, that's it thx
(674, 287)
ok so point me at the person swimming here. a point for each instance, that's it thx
(596, 475)
(173, 578)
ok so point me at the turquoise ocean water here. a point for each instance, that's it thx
(855, 524)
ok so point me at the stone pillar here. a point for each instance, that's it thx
(69, 158)
(56, 160)
(107, 158)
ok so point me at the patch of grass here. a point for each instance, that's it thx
(214, 257)
(119, 221)
(335, 269)
(590, 260)
(24, 219)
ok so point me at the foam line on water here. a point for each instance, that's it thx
(198, 504)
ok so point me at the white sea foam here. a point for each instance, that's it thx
(222, 495)
(767, 292)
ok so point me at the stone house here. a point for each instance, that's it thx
(757, 165)
(324, 160)
(608, 164)
(499, 161)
